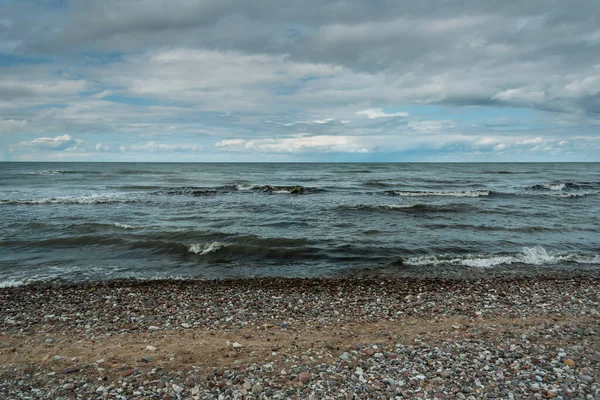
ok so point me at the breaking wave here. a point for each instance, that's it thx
(205, 248)
(62, 172)
(271, 189)
(536, 255)
(125, 226)
(463, 193)
(409, 208)
(69, 200)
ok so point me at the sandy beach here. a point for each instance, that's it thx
(276, 338)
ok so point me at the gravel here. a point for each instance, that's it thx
(379, 338)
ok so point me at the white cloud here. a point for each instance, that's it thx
(535, 140)
(153, 146)
(588, 86)
(58, 143)
(521, 95)
(373, 113)
(102, 147)
(319, 144)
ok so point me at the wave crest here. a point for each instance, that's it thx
(536, 255)
(68, 200)
(462, 193)
(206, 248)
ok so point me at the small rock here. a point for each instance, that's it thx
(177, 389)
(257, 388)
(151, 348)
(153, 328)
(68, 386)
(446, 374)
(569, 363)
(236, 345)
(146, 359)
(586, 378)
(304, 377)
(127, 372)
(186, 326)
(345, 356)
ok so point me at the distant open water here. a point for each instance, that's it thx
(96, 221)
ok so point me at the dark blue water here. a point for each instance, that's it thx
(82, 221)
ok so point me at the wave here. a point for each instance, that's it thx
(536, 255)
(462, 193)
(68, 200)
(270, 189)
(186, 191)
(226, 252)
(125, 226)
(564, 186)
(205, 248)
(376, 184)
(416, 208)
(62, 172)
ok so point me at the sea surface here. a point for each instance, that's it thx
(99, 221)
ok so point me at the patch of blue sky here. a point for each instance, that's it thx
(284, 90)
(11, 60)
(140, 101)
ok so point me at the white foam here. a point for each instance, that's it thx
(466, 193)
(69, 200)
(553, 186)
(46, 172)
(243, 187)
(205, 248)
(12, 283)
(125, 226)
(536, 255)
(400, 206)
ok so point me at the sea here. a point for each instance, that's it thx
(75, 222)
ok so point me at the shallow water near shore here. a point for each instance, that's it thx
(96, 221)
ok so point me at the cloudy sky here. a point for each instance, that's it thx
(308, 80)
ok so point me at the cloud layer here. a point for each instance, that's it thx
(311, 80)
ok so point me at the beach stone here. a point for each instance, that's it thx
(150, 348)
(304, 377)
(184, 325)
(153, 328)
(127, 372)
(257, 388)
(68, 386)
(146, 359)
(345, 356)
(569, 363)
(586, 378)
(177, 389)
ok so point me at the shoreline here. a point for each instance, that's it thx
(367, 337)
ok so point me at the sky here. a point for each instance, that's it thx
(299, 81)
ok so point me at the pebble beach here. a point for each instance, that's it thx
(276, 338)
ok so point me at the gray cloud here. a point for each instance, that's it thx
(222, 68)
(522, 54)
